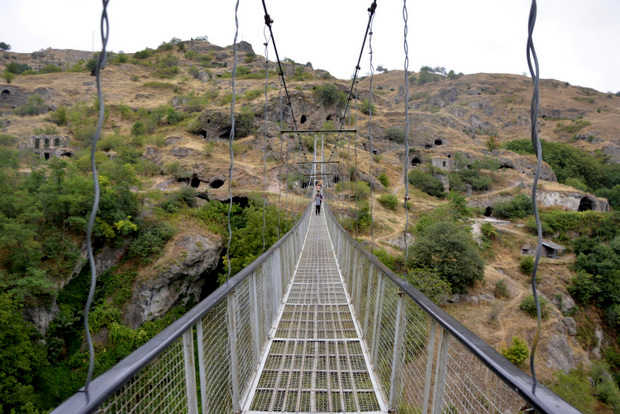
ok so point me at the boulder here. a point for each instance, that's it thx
(560, 355)
(175, 279)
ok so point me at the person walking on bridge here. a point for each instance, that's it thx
(318, 200)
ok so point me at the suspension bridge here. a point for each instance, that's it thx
(315, 325)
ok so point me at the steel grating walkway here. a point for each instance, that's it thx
(316, 361)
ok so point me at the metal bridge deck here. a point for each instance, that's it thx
(316, 361)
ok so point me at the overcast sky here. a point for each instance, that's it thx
(577, 41)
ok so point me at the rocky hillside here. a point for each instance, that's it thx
(172, 106)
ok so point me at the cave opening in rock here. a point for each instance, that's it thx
(488, 211)
(416, 161)
(336, 179)
(585, 204)
(438, 142)
(303, 119)
(47, 157)
(217, 183)
(329, 118)
(6, 93)
(195, 182)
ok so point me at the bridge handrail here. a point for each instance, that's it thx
(544, 400)
(104, 386)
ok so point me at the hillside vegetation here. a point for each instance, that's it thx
(163, 161)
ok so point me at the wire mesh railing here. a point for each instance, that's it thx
(425, 360)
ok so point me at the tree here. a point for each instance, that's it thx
(449, 249)
(4, 46)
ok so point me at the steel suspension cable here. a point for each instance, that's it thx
(280, 164)
(406, 178)
(101, 62)
(357, 209)
(265, 136)
(532, 63)
(268, 22)
(371, 15)
(370, 150)
(231, 139)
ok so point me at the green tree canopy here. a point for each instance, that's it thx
(449, 249)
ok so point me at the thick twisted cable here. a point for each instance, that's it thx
(268, 22)
(357, 209)
(372, 74)
(230, 141)
(405, 178)
(265, 135)
(532, 63)
(101, 61)
(371, 15)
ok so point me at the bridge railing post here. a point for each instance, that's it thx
(232, 343)
(440, 372)
(190, 371)
(398, 352)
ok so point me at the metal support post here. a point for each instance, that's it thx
(202, 366)
(430, 355)
(277, 281)
(378, 312)
(398, 351)
(440, 373)
(368, 302)
(254, 318)
(232, 343)
(190, 371)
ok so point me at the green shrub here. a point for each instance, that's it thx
(383, 179)
(386, 258)
(575, 388)
(526, 264)
(389, 201)
(430, 283)
(448, 248)
(501, 289)
(518, 352)
(520, 206)
(34, 106)
(427, 183)
(150, 242)
(328, 95)
(366, 107)
(528, 305)
(362, 190)
(489, 231)
(138, 128)
(250, 57)
(50, 69)
(396, 134)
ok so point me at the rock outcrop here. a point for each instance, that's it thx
(175, 279)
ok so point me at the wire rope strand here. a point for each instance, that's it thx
(265, 135)
(532, 62)
(357, 214)
(230, 141)
(370, 150)
(268, 22)
(371, 15)
(101, 61)
(406, 178)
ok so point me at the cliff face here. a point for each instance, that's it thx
(175, 279)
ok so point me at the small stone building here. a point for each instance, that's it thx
(443, 163)
(47, 146)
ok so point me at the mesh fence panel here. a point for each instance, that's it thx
(159, 387)
(217, 389)
(471, 388)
